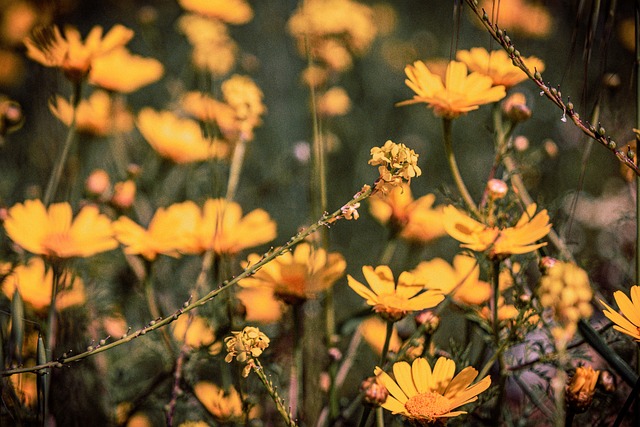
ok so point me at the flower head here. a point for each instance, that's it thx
(75, 57)
(120, 71)
(224, 406)
(629, 321)
(299, 275)
(459, 94)
(498, 242)
(391, 301)
(230, 11)
(179, 140)
(497, 65)
(414, 220)
(581, 388)
(54, 233)
(246, 345)
(245, 97)
(260, 305)
(524, 17)
(396, 163)
(97, 115)
(374, 331)
(425, 395)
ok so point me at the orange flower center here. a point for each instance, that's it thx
(428, 406)
(391, 307)
(58, 245)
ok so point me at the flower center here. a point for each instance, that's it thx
(58, 245)
(428, 406)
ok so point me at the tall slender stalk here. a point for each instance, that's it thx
(637, 66)
(453, 166)
(54, 179)
(236, 167)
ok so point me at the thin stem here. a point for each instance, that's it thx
(389, 250)
(296, 378)
(387, 341)
(236, 167)
(627, 404)
(154, 310)
(54, 179)
(453, 165)
(495, 300)
(282, 410)
(325, 220)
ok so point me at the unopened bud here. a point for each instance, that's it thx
(497, 189)
(546, 263)
(375, 394)
(124, 194)
(515, 108)
(97, 183)
(429, 319)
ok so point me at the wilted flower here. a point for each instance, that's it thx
(425, 395)
(230, 11)
(414, 220)
(498, 242)
(497, 65)
(120, 71)
(459, 94)
(69, 53)
(397, 164)
(176, 139)
(53, 232)
(98, 115)
(299, 275)
(392, 302)
(581, 388)
(629, 321)
(246, 345)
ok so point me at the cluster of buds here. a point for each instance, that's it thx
(565, 289)
(375, 394)
(123, 193)
(245, 346)
(581, 388)
(396, 164)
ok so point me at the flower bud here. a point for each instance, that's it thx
(97, 183)
(515, 108)
(497, 189)
(429, 319)
(375, 394)
(124, 194)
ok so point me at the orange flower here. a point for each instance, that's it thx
(224, 406)
(392, 302)
(97, 115)
(230, 11)
(179, 140)
(260, 305)
(530, 19)
(120, 71)
(629, 321)
(414, 220)
(498, 65)
(374, 331)
(479, 237)
(459, 94)
(35, 282)
(70, 53)
(299, 275)
(245, 97)
(52, 232)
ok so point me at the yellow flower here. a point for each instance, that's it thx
(230, 11)
(530, 19)
(397, 164)
(34, 282)
(581, 388)
(498, 65)
(170, 232)
(462, 280)
(70, 53)
(499, 242)
(414, 220)
(98, 115)
(213, 49)
(459, 94)
(334, 102)
(53, 233)
(246, 345)
(179, 140)
(260, 305)
(120, 71)
(374, 331)
(392, 301)
(425, 395)
(195, 333)
(224, 406)
(245, 97)
(629, 321)
(299, 275)
(224, 230)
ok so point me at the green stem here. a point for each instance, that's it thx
(495, 300)
(54, 179)
(296, 379)
(152, 304)
(389, 250)
(282, 410)
(324, 221)
(236, 167)
(453, 165)
(387, 341)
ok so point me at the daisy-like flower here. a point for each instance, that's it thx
(497, 65)
(392, 302)
(170, 232)
(34, 282)
(235, 12)
(299, 275)
(414, 220)
(223, 229)
(120, 71)
(55, 234)
(196, 333)
(179, 140)
(459, 94)
(425, 395)
(629, 321)
(70, 53)
(525, 17)
(498, 242)
(225, 407)
(260, 305)
(98, 115)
